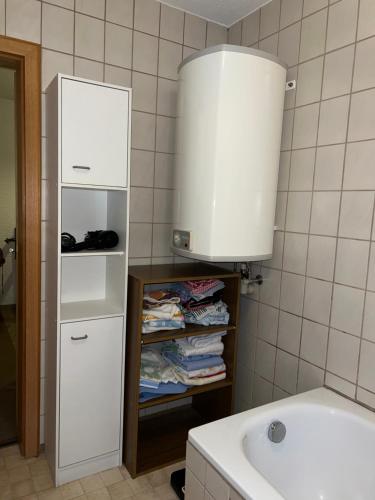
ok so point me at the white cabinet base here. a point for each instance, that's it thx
(91, 372)
(77, 471)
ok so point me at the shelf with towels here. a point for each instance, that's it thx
(157, 439)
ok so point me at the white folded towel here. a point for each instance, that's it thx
(165, 311)
(186, 349)
(202, 372)
(205, 340)
(200, 381)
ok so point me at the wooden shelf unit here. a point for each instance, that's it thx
(155, 440)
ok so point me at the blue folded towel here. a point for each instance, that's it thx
(190, 365)
(168, 388)
(149, 383)
(194, 357)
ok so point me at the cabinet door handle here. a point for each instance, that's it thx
(81, 167)
(84, 337)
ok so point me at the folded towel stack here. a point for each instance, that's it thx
(196, 360)
(213, 314)
(161, 311)
(198, 302)
(174, 366)
(157, 376)
(202, 289)
(205, 306)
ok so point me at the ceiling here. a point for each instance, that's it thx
(6, 83)
(224, 12)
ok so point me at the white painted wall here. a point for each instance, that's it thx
(7, 195)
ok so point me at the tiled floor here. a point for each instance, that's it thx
(30, 479)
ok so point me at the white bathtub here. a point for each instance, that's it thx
(328, 452)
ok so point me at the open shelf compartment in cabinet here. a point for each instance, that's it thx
(85, 209)
(229, 350)
(92, 287)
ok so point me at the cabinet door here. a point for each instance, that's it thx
(90, 389)
(94, 134)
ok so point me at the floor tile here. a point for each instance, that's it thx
(30, 479)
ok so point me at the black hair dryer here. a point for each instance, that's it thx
(94, 240)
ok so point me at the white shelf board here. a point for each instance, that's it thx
(93, 253)
(90, 309)
(93, 187)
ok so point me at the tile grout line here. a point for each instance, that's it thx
(311, 202)
(286, 205)
(74, 37)
(105, 41)
(361, 339)
(340, 208)
(280, 284)
(183, 45)
(258, 302)
(155, 141)
(312, 194)
(365, 89)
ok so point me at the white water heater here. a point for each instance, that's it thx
(229, 119)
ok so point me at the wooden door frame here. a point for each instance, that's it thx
(25, 58)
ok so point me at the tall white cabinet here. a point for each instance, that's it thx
(88, 146)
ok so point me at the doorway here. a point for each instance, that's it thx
(20, 214)
(8, 265)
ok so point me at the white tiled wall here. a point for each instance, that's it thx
(313, 321)
(137, 43)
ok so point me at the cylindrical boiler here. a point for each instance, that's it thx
(229, 120)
